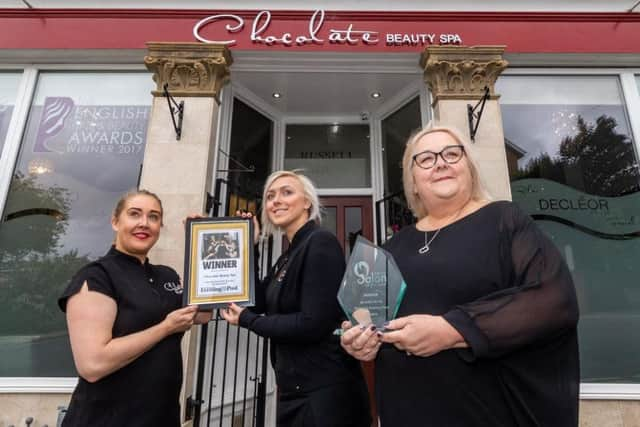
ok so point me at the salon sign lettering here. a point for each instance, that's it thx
(607, 217)
(314, 34)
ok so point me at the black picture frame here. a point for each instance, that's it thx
(219, 262)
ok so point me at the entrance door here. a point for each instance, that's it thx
(347, 217)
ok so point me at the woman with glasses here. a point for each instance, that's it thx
(486, 332)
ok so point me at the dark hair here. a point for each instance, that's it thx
(121, 202)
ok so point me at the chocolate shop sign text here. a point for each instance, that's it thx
(346, 35)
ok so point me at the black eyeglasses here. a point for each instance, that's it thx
(450, 154)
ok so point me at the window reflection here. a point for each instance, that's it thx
(82, 148)
(249, 157)
(574, 168)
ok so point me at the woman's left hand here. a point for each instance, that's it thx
(232, 313)
(422, 335)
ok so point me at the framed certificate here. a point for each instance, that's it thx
(218, 262)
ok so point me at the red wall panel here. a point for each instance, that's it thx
(130, 29)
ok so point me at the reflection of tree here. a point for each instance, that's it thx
(596, 160)
(33, 271)
(36, 233)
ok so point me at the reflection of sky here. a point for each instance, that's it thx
(94, 180)
(540, 128)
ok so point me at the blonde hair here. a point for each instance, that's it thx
(310, 193)
(478, 189)
(117, 210)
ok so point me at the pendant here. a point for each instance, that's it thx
(423, 250)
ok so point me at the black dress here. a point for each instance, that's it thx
(319, 385)
(146, 391)
(504, 286)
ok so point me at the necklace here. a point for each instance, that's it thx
(423, 250)
(427, 242)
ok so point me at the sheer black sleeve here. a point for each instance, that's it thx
(538, 302)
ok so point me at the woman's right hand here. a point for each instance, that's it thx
(256, 224)
(180, 320)
(361, 342)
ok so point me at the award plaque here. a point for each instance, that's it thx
(372, 287)
(218, 262)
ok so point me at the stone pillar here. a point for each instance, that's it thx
(457, 76)
(180, 171)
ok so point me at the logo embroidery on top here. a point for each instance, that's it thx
(173, 287)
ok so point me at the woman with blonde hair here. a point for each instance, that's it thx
(296, 308)
(486, 333)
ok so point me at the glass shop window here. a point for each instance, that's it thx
(249, 158)
(82, 148)
(333, 156)
(573, 165)
(396, 130)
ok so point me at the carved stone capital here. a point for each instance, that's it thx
(462, 72)
(190, 69)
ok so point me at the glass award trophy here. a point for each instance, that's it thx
(372, 287)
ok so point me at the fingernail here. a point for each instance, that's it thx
(363, 327)
(379, 334)
(373, 327)
(385, 324)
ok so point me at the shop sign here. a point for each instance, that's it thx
(325, 155)
(615, 217)
(315, 33)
